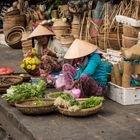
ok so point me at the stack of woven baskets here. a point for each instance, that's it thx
(12, 19)
(13, 37)
(130, 36)
(111, 40)
(75, 27)
(60, 28)
(26, 42)
(66, 40)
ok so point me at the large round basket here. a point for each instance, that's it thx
(82, 112)
(13, 37)
(112, 40)
(26, 77)
(27, 107)
(130, 31)
(12, 21)
(8, 80)
(54, 95)
(13, 13)
(128, 42)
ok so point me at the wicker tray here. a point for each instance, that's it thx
(26, 77)
(26, 107)
(13, 80)
(82, 112)
(51, 94)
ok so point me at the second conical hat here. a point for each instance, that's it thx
(79, 48)
(41, 31)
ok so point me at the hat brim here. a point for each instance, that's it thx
(80, 48)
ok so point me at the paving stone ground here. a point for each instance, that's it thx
(113, 122)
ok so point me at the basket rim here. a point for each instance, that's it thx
(13, 33)
(19, 104)
(16, 28)
(82, 112)
(132, 38)
(11, 76)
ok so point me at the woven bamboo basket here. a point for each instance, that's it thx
(59, 33)
(12, 21)
(54, 95)
(13, 37)
(26, 107)
(26, 43)
(10, 80)
(63, 8)
(128, 42)
(111, 40)
(75, 20)
(130, 31)
(13, 13)
(82, 112)
(26, 77)
(54, 14)
(66, 40)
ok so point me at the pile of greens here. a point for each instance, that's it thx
(39, 102)
(69, 102)
(91, 102)
(56, 94)
(25, 91)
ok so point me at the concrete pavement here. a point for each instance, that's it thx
(113, 122)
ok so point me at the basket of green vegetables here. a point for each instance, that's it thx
(54, 95)
(79, 107)
(36, 106)
(25, 91)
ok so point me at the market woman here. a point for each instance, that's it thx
(91, 77)
(49, 58)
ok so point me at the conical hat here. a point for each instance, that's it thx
(79, 48)
(40, 31)
(25, 36)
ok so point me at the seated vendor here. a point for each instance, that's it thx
(49, 59)
(91, 77)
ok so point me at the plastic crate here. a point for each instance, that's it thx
(124, 96)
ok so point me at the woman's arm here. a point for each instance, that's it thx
(93, 62)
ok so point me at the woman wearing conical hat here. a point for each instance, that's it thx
(49, 59)
(92, 73)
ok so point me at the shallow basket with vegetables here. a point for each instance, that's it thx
(36, 106)
(79, 107)
(7, 80)
(54, 95)
(25, 91)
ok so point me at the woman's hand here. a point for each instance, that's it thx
(76, 84)
(69, 87)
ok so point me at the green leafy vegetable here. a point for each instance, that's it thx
(39, 102)
(91, 102)
(25, 91)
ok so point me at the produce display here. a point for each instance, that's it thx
(36, 106)
(74, 105)
(6, 81)
(55, 95)
(25, 91)
(39, 102)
